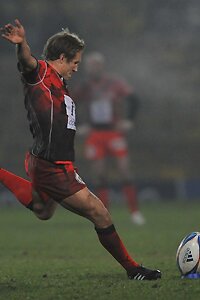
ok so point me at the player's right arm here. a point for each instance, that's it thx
(16, 35)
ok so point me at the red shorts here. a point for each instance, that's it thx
(51, 180)
(102, 143)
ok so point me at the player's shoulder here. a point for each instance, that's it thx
(118, 82)
(42, 62)
(115, 78)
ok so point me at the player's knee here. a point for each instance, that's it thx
(41, 213)
(43, 216)
(97, 212)
(101, 216)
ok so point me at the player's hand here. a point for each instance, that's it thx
(125, 125)
(13, 33)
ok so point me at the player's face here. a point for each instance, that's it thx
(94, 68)
(71, 66)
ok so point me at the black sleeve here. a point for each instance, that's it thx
(132, 105)
(29, 76)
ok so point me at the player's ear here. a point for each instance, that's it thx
(62, 57)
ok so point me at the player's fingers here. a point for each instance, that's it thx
(18, 24)
(4, 31)
(9, 25)
(8, 28)
(5, 36)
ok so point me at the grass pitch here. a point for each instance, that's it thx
(63, 259)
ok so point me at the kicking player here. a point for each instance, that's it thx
(49, 163)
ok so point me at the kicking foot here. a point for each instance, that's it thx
(141, 273)
(137, 218)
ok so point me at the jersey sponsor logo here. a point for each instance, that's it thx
(70, 111)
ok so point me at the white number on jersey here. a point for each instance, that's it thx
(70, 110)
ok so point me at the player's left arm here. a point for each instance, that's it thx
(129, 104)
(133, 105)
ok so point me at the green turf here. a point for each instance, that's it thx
(62, 258)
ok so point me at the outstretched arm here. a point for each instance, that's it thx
(16, 35)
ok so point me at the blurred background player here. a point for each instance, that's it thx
(108, 110)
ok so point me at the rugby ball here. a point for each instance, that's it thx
(188, 254)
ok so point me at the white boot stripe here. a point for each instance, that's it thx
(139, 277)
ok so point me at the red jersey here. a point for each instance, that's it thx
(51, 114)
(104, 100)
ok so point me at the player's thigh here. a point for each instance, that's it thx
(117, 144)
(86, 204)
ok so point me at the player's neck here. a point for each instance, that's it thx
(54, 65)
